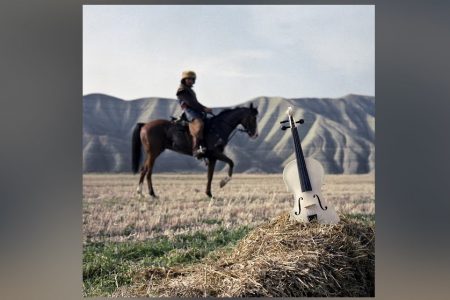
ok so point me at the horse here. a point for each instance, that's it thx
(159, 135)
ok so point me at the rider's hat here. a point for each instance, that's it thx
(188, 74)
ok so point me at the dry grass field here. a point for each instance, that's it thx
(113, 212)
(124, 235)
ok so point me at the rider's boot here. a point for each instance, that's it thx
(199, 150)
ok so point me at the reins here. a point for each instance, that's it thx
(234, 131)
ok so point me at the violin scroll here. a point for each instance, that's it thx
(290, 113)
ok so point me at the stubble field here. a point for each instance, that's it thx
(113, 212)
(183, 222)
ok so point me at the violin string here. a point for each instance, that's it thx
(304, 180)
(301, 175)
(299, 164)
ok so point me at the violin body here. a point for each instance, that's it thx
(309, 206)
(303, 178)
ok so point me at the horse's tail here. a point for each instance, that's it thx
(136, 146)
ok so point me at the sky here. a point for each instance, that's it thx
(239, 52)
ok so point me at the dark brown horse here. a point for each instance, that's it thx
(159, 135)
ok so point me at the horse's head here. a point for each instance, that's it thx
(249, 121)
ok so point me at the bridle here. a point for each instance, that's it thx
(234, 132)
(229, 125)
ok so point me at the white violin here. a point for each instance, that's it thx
(303, 178)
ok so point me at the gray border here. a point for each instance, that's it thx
(41, 127)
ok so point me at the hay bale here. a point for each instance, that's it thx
(281, 259)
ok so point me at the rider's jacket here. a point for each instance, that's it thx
(188, 100)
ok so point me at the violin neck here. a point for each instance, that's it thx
(305, 183)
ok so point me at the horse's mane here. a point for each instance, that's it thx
(226, 111)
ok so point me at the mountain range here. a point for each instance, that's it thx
(339, 132)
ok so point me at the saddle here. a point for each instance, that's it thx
(182, 123)
(181, 120)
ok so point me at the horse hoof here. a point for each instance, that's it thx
(211, 202)
(224, 181)
(139, 191)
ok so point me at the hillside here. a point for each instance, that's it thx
(339, 132)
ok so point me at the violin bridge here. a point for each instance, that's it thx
(309, 205)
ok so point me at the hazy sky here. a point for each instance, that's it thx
(239, 52)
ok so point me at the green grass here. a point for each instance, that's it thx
(107, 266)
(368, 219)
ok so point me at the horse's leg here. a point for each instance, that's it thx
(141, 179)
(211, 165)
(230, 163)
(151, 163)
(151, 140)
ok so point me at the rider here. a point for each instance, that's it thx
(194, 111)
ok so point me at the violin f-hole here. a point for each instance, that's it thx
(299, 207)
(320, 203)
